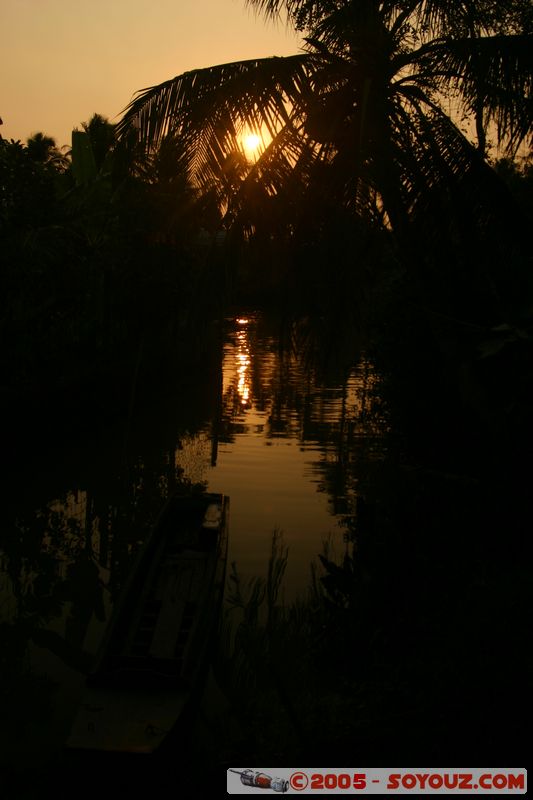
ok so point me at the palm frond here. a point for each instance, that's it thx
(272, 8)
(302, 14)
(438, 158)
(200, 94)
(436, 18)
(209, 107)
(396, 15)
(351, 26)
(493, 73)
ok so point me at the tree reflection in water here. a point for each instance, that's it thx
(287, 425)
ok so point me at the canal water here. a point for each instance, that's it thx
(271, 416)
(280, 450)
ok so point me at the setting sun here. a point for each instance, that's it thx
(251, 143)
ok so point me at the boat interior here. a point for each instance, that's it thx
(155, 637)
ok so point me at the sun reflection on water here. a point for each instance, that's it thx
(243, 365)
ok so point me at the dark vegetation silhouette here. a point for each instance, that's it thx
(368, 116)
(375, 212)
(101, 248)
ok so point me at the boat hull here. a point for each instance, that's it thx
(154, 655)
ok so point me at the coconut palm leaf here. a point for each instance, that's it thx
(495, 73)
(300, 13)
(434, 17)
(256, 92)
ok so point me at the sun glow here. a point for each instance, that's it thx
(251, 143)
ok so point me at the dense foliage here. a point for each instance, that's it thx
(100, 248)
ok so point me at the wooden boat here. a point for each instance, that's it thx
(155, 649)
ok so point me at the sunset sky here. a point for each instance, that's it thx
(63, 60)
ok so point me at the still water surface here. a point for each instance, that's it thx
(283, 426)
(278, 450)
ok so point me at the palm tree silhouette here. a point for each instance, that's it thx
(375, 100)
(101, 134)
(43, 149)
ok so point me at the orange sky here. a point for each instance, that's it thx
(63, 60)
